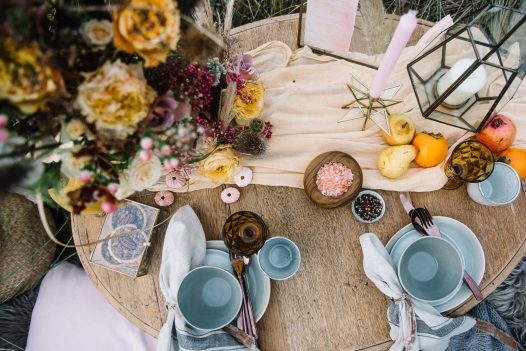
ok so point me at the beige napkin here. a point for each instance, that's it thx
(416, 325)
(304, 93)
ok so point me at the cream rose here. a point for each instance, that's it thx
(115, 98)
(144, 174)
(221, 165)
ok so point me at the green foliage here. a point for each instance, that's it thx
(18, 18)
(50, 179)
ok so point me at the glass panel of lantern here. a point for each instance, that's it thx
(474, 70)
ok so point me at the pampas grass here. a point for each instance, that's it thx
(373, 13)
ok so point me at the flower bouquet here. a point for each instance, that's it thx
(102, 100)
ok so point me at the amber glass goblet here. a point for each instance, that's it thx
(470, 161)
(244, 233)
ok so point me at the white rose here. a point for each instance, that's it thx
(124, 187)
(144, 174)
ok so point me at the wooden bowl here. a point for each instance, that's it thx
(309, 180)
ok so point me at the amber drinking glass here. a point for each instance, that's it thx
(244, 233)
(470, 161)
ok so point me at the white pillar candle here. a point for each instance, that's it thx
(471, 85)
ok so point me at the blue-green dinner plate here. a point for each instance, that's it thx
(461, 237)
(258, 282)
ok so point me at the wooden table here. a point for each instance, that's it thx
(330, 304)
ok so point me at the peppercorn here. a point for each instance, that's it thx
(368, 207)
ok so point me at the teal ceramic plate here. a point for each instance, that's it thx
(258, 282)
(461, 237)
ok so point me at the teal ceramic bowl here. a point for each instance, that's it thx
(279, 258)
(431, 270)
(209, 298)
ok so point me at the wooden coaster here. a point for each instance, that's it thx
(309, 180)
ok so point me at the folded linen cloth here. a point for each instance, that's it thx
(185, 249)
(414, 325)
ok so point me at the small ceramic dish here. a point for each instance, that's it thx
(431, 270)
(372, 193)
(309, 179)
(502, 187)
(279, 258)
(209, 298)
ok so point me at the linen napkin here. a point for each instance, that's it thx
(185, 249)
(414, 325)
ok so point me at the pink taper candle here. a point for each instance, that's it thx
(403, 32)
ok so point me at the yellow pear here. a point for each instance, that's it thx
(402, 130)
(394, 161)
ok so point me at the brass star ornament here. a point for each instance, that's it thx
(365, 106)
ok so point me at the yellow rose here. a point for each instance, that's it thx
(248, 103)
(25, 80)
(116, 98)
(149, 28)
(221, 165)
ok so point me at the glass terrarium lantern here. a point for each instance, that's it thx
(474, 70)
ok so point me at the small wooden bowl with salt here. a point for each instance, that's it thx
(333, 179)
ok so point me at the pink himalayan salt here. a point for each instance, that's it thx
(334, 179)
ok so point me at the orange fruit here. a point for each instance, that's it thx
(516, 158)
(432, 149)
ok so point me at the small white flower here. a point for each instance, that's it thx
(97, 32)
(143, 174)
(75, 128)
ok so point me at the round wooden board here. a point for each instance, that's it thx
(330, 304)
(309, 179)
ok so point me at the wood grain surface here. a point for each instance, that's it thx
(309, 179)
(330, 304)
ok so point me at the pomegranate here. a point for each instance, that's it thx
(498, 134)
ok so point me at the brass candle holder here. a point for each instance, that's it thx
(365, 106)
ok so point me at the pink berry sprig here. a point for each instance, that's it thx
(147, 145)
(4, 134)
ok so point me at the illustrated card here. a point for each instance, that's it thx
(129, 230)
